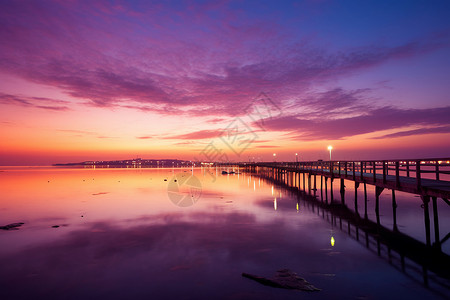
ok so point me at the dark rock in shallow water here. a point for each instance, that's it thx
(12, 226)
(55, 226)
(285, 279)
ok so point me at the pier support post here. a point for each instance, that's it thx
(326, 190)
(426, 200)
(315, 188)
(342, 191)
(365, 201)
(331, 190)
(321, 191)
(378, 191)
(437, 241)
(356, 197)
(309, 183)
(304, 186)
(295, 178)
(394, 210)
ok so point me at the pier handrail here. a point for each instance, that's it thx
(412, 168)
(427, 177)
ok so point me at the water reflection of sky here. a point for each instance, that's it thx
(120, 236)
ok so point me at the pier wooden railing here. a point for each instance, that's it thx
(428, 177)
(438, 168)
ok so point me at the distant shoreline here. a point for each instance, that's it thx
(131, 163)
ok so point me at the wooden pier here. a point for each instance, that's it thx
(406, 254)
(428, 178)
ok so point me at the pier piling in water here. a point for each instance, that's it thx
(428, 178)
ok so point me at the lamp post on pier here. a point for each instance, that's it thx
(296, 157)
(330, 148)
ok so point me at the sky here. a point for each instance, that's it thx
(223, 80)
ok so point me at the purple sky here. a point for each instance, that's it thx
(139, 77)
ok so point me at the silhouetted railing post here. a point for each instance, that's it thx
(354, 171)
(397, 173)
(362, 164)
(374, 171)
(437, 170)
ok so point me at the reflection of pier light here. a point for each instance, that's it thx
(297, 206)
(254, 185)
(275, 204)
(272, 190)
(332, 241)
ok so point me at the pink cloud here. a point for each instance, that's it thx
(374, 120)
(134, 62)
(34, 102)
(439, 129)
(198, 135)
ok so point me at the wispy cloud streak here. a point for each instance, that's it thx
(374, 120)
(36, 102)
(137, 63)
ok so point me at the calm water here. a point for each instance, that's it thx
(120, 236)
